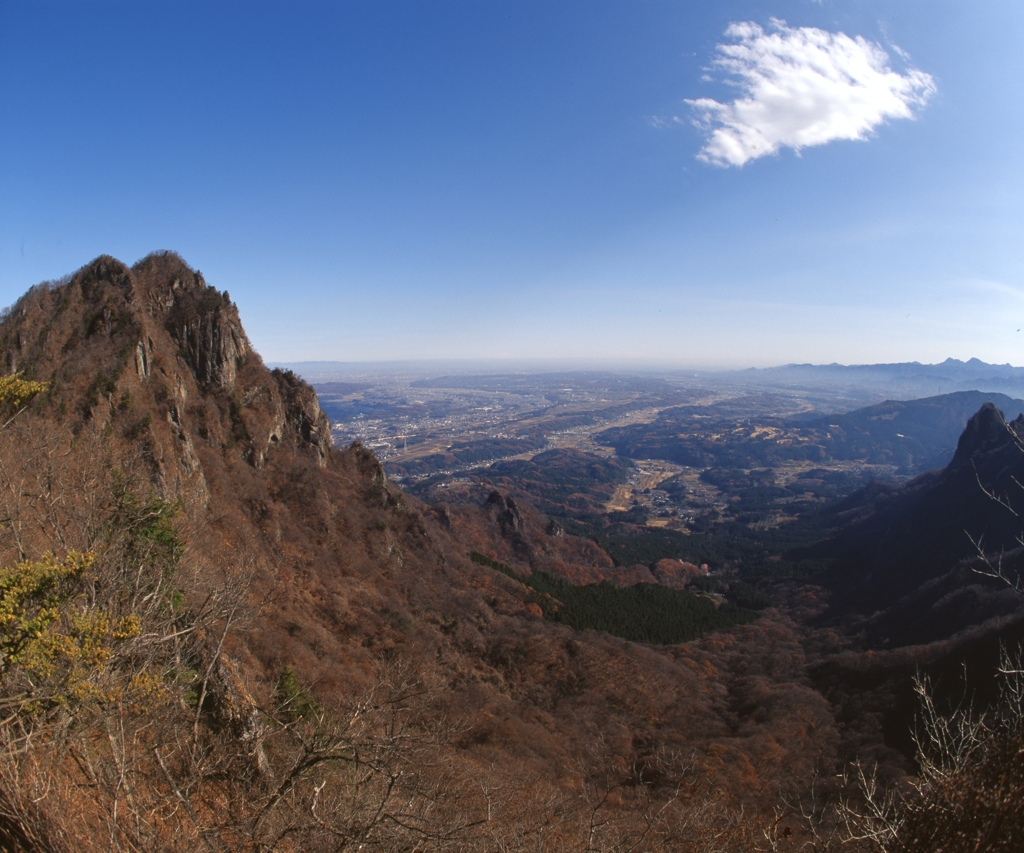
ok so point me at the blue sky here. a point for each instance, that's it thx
(385, 180)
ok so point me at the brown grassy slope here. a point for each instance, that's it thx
(149, 364)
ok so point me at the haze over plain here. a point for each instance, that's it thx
(719, 184)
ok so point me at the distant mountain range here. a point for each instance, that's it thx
(903, 379)
(900, 379)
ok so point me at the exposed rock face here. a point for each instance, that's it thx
(210, 336)
(302, 413)
(506, 515)
(555, 528)
(909, 540)
(505, 512)
(202, 321)
(985, 431)
(233, 706)
(158, 354)
(444, 515)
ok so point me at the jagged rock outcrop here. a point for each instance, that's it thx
(302, 414)
(555, 528)
(153, 352)
(985, 432)
(909, 541)
(505, 513)
(444, 515)
(206, 326)
(233, 706)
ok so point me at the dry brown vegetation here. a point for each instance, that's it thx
(272, 648)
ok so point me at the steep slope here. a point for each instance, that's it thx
(916, 435)
(903, 560)
(157, 329)
(911, 435)
(330, 589)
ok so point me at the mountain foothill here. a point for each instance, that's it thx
(218, 631)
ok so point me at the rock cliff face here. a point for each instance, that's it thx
(302, 414)
(911, 541)
(206, 327)
(155, 351)
(505, 513)
(986, 432)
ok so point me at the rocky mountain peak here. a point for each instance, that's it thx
(202, 320)
(155, 353)
(986, 430)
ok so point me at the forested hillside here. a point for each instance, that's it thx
(219, 632)
(912, 436)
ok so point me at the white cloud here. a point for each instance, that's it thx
(801, 87)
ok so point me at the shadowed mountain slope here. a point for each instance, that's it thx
(902, 554)
(915, 435)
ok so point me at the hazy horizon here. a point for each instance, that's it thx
(316, 369)
(713, 185)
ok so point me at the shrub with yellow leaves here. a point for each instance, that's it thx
(31, 596)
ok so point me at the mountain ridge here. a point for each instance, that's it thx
(296, 581)
(900, 379)
(903, 539)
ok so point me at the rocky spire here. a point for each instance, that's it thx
(985, 431)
